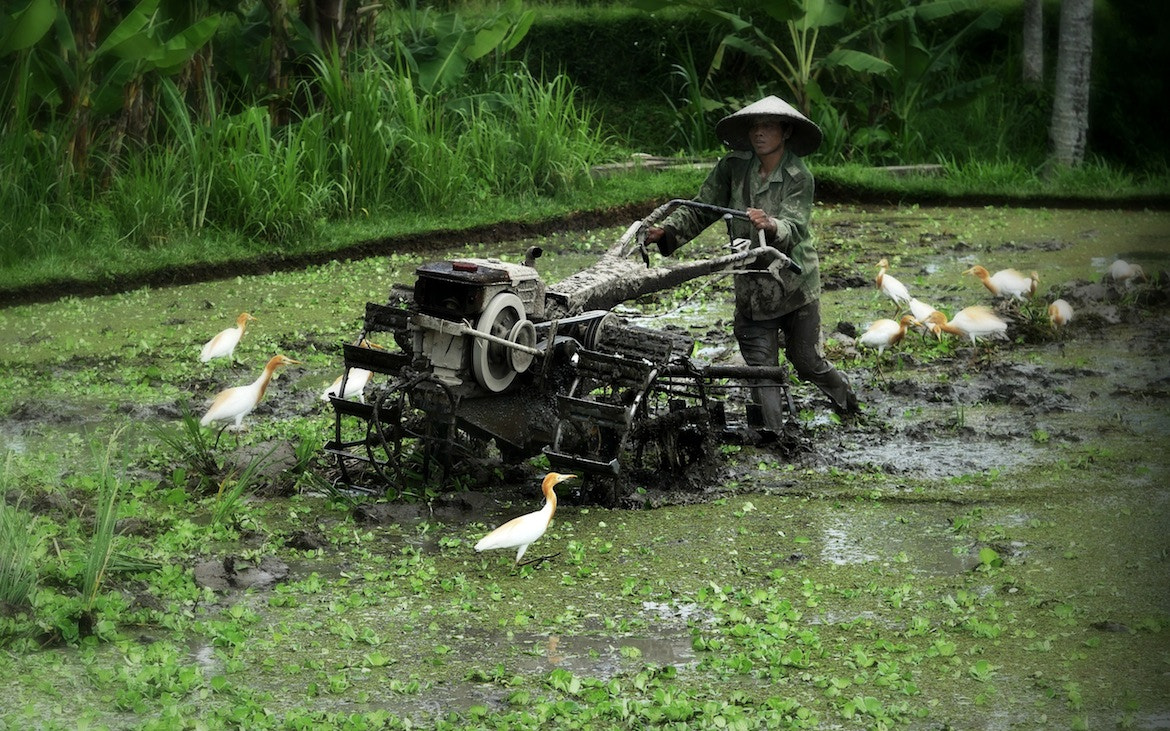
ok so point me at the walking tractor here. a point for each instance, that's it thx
(490, 353)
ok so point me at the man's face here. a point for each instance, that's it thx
(766, 135)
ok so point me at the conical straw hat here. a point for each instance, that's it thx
(733, 129)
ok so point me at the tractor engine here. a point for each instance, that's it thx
(496, 299)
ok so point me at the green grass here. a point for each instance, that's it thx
(106, 258)
(370, 156)
(234, 487)
(105, 516)
(18, 546)
(369, 144)
(1094, 181)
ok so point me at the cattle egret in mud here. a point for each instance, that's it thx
(1122, 272)
(233, 404)
(520, 532)
(1007, 282)
(355, 384)
(890, 286)
(884, 334)
(976, 323)
(920, 309)
(1060, 313)
(922, 313)
(224, 344)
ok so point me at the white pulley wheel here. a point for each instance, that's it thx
(523, 333)
(490, 361)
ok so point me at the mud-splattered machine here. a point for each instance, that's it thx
(490, 353)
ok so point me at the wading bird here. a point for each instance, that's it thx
(1060, 313)
(1122, 272)
(920, 309)
(233, 404)
(890, 286)
(922, 313)
(976, 323)
(1007, 282)
(355, 383)
(884, 334)
(520, 532)
(224, 344)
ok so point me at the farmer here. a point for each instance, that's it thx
(764, 175)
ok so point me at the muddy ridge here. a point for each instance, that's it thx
(443, 239)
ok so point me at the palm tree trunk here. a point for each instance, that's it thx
(1033, 60)
(325, 19)
(278, 49)
(85, 19)
(1070, 107)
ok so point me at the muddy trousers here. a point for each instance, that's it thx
(759, 344)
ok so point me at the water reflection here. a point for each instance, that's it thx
(916, 540)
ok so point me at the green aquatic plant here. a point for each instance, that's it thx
(232, 489)
(101, 544)
(189, 442)
(18, 546)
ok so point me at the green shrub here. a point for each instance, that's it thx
(18, 545)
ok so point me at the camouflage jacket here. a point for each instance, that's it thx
(787, 195)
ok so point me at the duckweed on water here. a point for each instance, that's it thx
(933, 565)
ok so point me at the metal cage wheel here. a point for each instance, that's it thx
(412, 418)
(673, 430)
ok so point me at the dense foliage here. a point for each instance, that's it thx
(399, 123)
(952, 90)
(130, 127)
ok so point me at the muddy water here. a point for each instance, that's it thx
(1047, 454)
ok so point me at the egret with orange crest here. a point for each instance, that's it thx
(884, 334)
(975, 323)
(233, 404)
(521, 532)
(224, 344)
(1007, 282)
(1060, 313)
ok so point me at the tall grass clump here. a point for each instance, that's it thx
(189, 442)
(1005, 122)
(232, 489)
(1092, 177)
(258, 184)
(556, 134)
(32, 222)
(101, 546)
(188, 155)
(356, 140)
(991, 177)
(385, 143)
(142, 201)
(241, 172)
(18, 546)
(527, 137)
(693, 128)
(428, 171)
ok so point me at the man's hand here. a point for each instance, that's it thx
(762, 221)
(663, 238)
